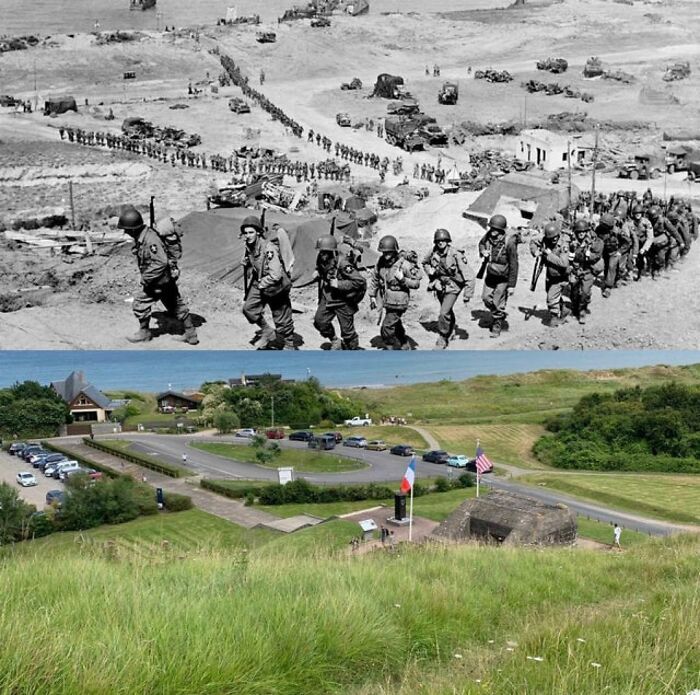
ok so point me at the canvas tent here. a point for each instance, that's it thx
(59, 105)
(525, 200)
(212, 247)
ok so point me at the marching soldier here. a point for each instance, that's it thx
(660, 243)
(159, 274)
(267, 283)
(340, 291)
(555, 257)
(392, 279)
(611, 251)
(641, 232)
(586, 258)
(500, 262)
(449, 274)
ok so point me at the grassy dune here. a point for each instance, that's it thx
(525, 398)
(255, 619)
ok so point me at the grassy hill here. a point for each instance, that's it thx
(218, 609)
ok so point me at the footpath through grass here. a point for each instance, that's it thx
(298, 614)
(303, 460)
(662, 496)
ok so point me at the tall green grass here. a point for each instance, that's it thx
(260, 621)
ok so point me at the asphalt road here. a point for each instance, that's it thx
(382, 467)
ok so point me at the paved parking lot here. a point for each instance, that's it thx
(10, 466)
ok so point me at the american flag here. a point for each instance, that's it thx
(483, 465)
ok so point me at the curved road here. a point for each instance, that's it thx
(382, 467)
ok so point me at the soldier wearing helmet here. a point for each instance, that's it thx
(393, 278)
(586, 259)
(679, 237)
(660, 242)
(639, 229)
(159, 275)
(268, 285)
(449, 274)
(555, 258)
(341, 288)
(500, 257)
(607, 232)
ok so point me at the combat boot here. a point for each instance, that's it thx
(143, 335)
(441, 343)
(267, 335)
(496, 328)
(336, 343)
(556, 321)
(190, 336)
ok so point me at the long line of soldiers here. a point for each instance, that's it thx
(646, 241)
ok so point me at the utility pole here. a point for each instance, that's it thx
(272, 424)
(36, 97)
(72, 207)
(568, 166)
(595, 162)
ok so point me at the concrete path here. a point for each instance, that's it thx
(218, 505)
(429, 438)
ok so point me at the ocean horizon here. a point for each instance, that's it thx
(161, 370)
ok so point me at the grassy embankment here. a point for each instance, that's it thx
(259, 613)
(303, 460)
(506, 412)
(147, 410)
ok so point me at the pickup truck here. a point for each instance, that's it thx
(358, 421)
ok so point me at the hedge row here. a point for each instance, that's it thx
(141, 459)
(175, 502)
(87, 463)
(234, 493)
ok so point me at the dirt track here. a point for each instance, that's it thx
(85, 302)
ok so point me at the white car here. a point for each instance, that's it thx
(247, 433)
(26, 479)
(458, 461)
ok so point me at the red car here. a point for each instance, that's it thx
(276, 433)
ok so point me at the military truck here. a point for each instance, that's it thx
(343, 120)
(404, 132)
(266, 37)
(405, 107)
(320, 22)
(355, 83)
(593, 67)
(677, 71)
(643, 166)
(676, 159)
(389, 87)
(555, 65)
(238, 105)
(448, 94)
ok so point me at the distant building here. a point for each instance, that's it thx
(85, 401)
(170, 401)
(546, 149)
(246, 380)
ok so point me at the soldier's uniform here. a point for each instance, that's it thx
(449, 274)
(269, 285)
(586, 265)
(394, 282)
(642, 235)
(556, 264)
(501, 273)
(341, 289)
(607, 232)
(158, 279)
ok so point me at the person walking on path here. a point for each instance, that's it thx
(617, 532)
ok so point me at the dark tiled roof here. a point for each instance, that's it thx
(75, 384)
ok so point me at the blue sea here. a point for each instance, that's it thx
(160, 370)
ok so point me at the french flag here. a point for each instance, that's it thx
(409, 476)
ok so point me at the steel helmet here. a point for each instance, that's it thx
(388, 243)
(608, 220)
(580, 226)
(638, 209)
(130, 220)
(655, 211)
(441, 235)
(327, 242)
(252, 221)
(551, 231)
(165, 226)
(498, 222)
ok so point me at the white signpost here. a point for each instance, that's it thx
(286, 475)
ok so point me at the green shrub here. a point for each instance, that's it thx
(249, 499)
(237, 492)
(465, 480)
(88, 463)
(175, 502)
(443, 485)
(40, 524)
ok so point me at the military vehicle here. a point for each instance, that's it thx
(491, 75)
(389, 87)
(343, 120)
(694, 171)
(237, 105)
(320, 22)
(677, 71)
(643, 166)
(141, 4)
(405, 133)
(355, 83)
(406, 107)
(555, 65)
(449, 93)
(266, 37)
(676, 159)
(593, 67)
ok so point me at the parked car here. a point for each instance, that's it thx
(26, 479)
(29, 451)
(376, 445)
(66, 467)
(48, 460)
(458, 461)
(275, 433)
(337, 435)
(55, 497)
(81, 470)
(402, 450)
(16, 447)
(358, 421)
(323, 441)
(50, 469)
(301, 436)
(356, 442)
(246, 433)
(36, 456)
(436, 456)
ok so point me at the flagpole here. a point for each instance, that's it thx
(477, 471)
(410, 517)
